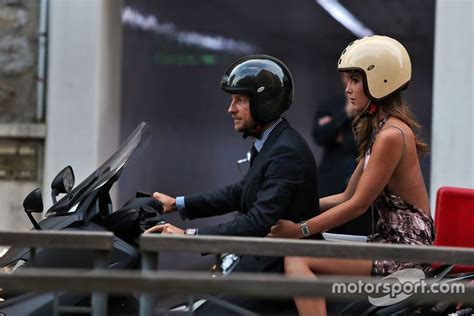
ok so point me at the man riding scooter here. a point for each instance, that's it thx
(282, 174)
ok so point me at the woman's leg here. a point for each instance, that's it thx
(311, 267)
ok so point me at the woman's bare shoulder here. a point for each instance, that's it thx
(396, 123)
(389, 139)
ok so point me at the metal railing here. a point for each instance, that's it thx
(151, 283)
(185, 282)
(101, 242)
(305, 248)
(151, 245)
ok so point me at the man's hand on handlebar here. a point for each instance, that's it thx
(169, 203)
(165, 229)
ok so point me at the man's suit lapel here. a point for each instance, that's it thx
(262, 157)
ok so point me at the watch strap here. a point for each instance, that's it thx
(191, 231)
(304, 229)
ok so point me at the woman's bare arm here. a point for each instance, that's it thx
(331, 201)
(385, 157)
(386, 153)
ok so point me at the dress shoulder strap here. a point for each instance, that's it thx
(403, 135)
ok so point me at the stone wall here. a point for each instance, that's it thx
(18, 60)
(18, 122)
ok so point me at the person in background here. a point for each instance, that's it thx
(388, 175)
(332, 130)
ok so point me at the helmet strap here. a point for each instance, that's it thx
(369, 110)
(255, 132)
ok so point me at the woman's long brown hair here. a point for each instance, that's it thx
(394, 106)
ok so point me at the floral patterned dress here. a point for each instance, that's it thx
(399, 223)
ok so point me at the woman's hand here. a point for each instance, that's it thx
(165, 229)
(285, 229)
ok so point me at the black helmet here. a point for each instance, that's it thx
(266, 80)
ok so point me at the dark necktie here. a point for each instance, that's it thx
(253, 155)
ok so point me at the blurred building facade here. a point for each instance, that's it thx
(96, 91)
(65, 113)
(22, 128)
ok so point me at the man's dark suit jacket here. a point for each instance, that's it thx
(280, 184)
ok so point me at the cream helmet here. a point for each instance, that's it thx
(384, 63)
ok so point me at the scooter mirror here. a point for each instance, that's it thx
(62, 183)
(33, 203)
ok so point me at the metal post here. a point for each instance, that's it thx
(32, 255)
(56, 304)
(190, 311)
(147, 301)
(99, 299)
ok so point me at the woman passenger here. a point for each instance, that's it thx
(388, 175)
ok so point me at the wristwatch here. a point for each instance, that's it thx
(191, 231)
(304, 229)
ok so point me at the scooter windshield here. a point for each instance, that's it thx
(105, 173)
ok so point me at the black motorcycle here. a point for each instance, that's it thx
(86, 207)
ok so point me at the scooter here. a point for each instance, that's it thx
(86, 207)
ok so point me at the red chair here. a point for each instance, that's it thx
(454, 220)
